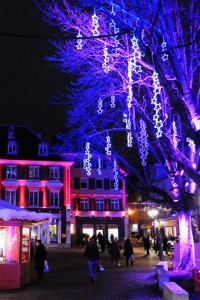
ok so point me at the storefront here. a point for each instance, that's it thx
(15, 243)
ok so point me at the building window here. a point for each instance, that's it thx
(83, 183)
(54, 173)
(11, 196)
(34, 172)
(114, 204)
(99, 184)
(84, 204)
(43, 149)
(12, 147)
(99, 204)
(54, 199)
(34, 198)
(11, 172)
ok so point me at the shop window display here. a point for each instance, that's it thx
(9, 244)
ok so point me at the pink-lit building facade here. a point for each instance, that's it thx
(96, 204)
(32, 176)
(35, 178)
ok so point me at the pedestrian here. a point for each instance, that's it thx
(40, 257)
(114, 252)
(165, 244)
(128, 252)
(92, 254)
(147, 244)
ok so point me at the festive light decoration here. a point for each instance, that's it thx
(136, 54)
(108, 145)
(157, 106)
(175, 134)
(115, 30)
(144, 145)
(99, 166)
(112, 103)
(164, 49)
(130, 81)
(105, 64)
(79, 41)
(191, 144)
(129, 134)
(95, 25)
(116, 183)
(100, 105)
(87, 160)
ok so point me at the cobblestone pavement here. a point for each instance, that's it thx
(69, 279)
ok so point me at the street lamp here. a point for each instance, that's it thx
(153, 212)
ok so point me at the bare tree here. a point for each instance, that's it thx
(134, 67)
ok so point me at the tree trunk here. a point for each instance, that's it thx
(187, 260)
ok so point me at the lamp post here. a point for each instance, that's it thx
(153, 212)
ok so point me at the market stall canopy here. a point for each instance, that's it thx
(9, 211)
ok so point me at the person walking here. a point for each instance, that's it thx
(92, 254)
(40, 257)
(147, 244)
(128, 252)
(114, 252)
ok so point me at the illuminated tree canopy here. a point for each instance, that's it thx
(135, 88)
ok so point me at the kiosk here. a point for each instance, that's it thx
(15, 241)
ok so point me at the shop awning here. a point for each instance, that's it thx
(9, 212)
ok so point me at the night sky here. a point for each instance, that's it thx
(27, 81)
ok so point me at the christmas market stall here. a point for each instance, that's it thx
(15, 243)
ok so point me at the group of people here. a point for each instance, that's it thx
(92, 254)
(148, 244)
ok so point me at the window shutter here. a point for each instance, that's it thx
(91, 204)
(61, 198)
(76, 203)
(17, 197)
(40, 198)
(92, 183)
(41, 172)
(61, 174)
(107, 204)
(120, 204)
(120, 184)
(4, 171)
(106, 184)
(77, 183)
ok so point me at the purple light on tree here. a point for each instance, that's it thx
(145, 53)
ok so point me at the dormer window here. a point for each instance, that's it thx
(12, 147)
(43, 149)
(11, 133)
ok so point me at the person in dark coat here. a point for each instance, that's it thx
(128, 252)
(147, 244)
(92, 254)
(114, 252)
(40, 257)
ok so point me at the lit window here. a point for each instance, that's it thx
(99, 204)
(43, 149)
(54, 199)
(11, 172)
(114, 204)
(84, 204)
(54, 173)
(34, 198)
(11, 196)
(34, 172)
(84, 183)
(12, 147)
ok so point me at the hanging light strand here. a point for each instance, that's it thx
(144, 145)
(95, 25)
(87, 159)
(157, 106)
(116, 183)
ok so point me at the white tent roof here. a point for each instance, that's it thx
(9, 212)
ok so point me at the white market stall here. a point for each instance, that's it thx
(15, 239)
